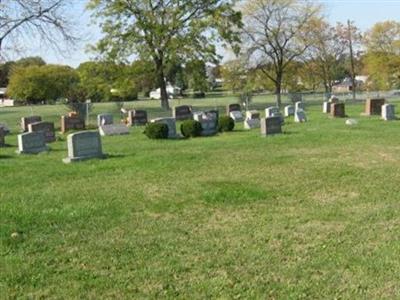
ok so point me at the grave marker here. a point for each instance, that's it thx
(183, 112)
(2, 137)
(84, 145)
(105, 119)
(28, 120)
(271, 125)
(338, 110)
(300, 116)
(171, 123)
(71, 123)
(31, 143)
(289, 110)
(208, 121)
(113, 129)
(374, 106)
(388, 112)
(252, 119)
(46, 127)
(137, 117)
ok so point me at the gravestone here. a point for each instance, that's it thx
(5, 128)
(271, 125)
(31, 143)
(47, 128)
(388, 112)
(289, 110)
(338, 110)
(272, 111)
(252, 119)
(300, 116)
(374, 106)
(84, 145)
(183, 112)
(171, 122)
(233, 107)
(299, 105)
(237, 116)
(208, 121)
(71, 123)
(105, 119)
(113, 129)
(137, 117)
(2, 137)
(28, 120)
(326, 107)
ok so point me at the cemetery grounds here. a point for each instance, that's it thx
(312, 213)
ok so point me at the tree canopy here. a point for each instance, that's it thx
(165, 31)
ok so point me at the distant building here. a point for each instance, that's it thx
(4, 101)
(172, 92)
(346, 86)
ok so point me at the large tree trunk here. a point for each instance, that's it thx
(164, 94)
(278, 88)
(278, 94)
(162, 84)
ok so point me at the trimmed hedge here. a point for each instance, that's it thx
(225, 123)
(191, 128)
(156, 131)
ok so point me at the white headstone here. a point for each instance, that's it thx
(299, 105)
(326, 107)
(289, 111)
(388, 112)
(272, 111)
(236, 115)
(300, 116)
(105, 119)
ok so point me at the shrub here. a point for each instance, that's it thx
(191, 128)
(156, 131)
(225, 123)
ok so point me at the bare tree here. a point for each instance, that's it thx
(327, 52)
(275, 34)
(43, 21)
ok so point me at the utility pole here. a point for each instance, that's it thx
(353, 75)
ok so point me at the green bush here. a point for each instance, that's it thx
(191, 128)
(156, 131)
(225, 123)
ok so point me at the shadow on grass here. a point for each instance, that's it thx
(5, 156)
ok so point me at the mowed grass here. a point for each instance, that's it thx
(310, 214)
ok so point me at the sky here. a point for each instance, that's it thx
(364, 13)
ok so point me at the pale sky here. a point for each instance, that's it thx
(364, 13)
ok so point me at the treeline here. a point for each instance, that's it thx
(30, 80)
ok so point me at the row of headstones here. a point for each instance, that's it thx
(372, 107)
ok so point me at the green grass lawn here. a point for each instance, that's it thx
(312, 213)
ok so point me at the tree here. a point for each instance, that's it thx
(165, 31)
(35, 84)
(196, 74)
(382, 60)
(22, 20)
(107, 81)
(276, 33)
(327, 53)
(6, 68)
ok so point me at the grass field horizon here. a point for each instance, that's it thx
(309, 214)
